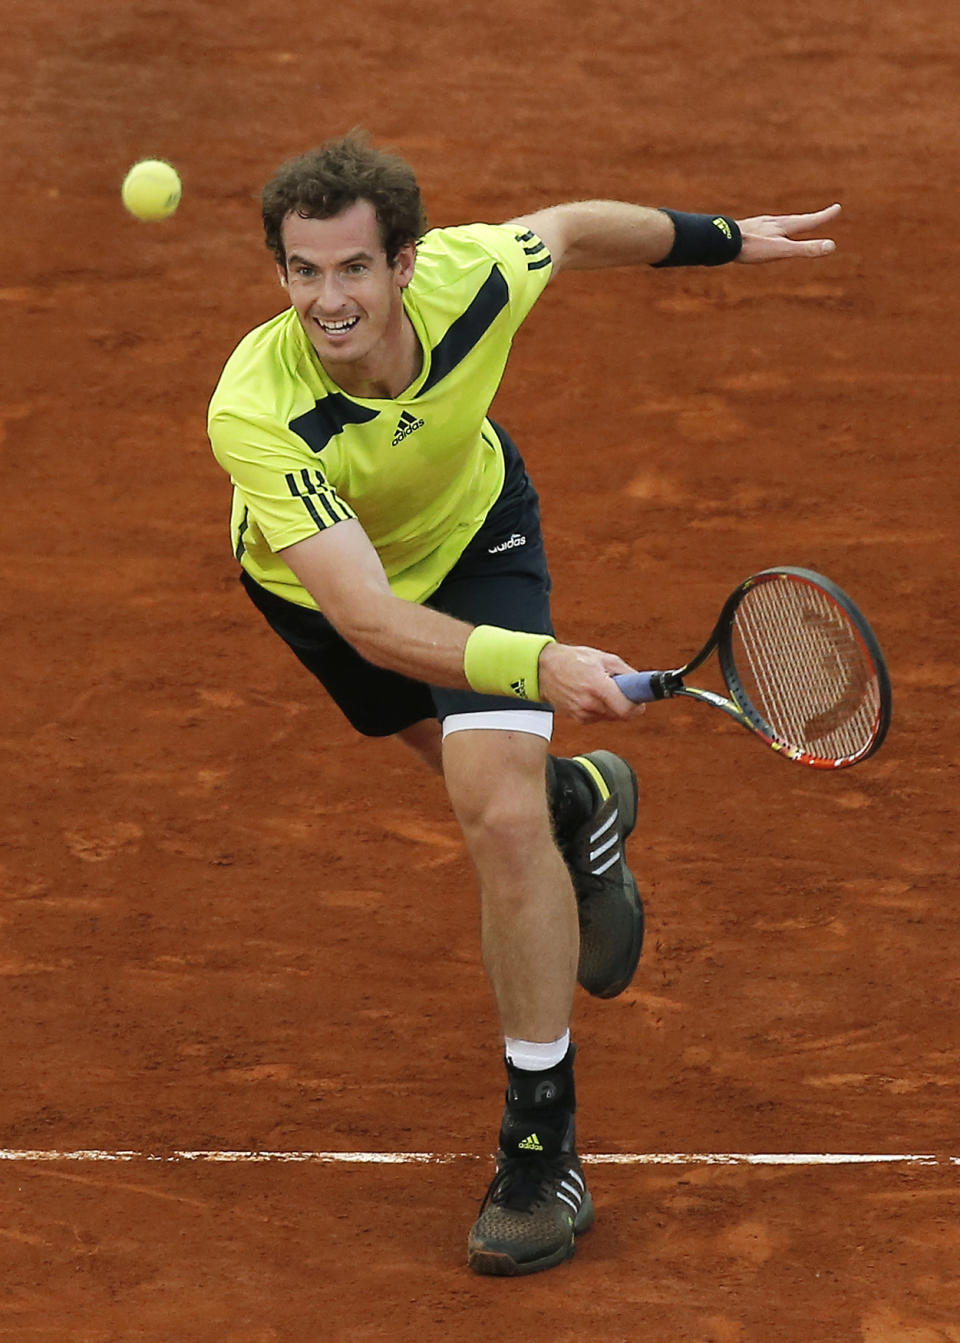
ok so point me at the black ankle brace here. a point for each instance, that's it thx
(540, 1106)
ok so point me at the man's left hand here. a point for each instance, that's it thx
(770, 237)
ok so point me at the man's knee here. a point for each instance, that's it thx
(498, 792)
(505, 821)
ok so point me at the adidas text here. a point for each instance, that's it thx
(515, 540)
(408, 424)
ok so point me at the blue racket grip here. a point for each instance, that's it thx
(641, 687)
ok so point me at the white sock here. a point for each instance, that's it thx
(534, 1057)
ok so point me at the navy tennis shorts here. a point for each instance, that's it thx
(500, 579)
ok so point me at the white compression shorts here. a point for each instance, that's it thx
(538, 722)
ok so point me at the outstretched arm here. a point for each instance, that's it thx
(589, 235)
(342, 571)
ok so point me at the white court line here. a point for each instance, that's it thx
(445, 1158)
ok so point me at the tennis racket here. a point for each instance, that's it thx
(802, 668)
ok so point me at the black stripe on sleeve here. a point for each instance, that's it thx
(539, 265)
(327, 504)
(304, 495)
(335, 506)
(318, 490)
(241, 546)
(532, 251)
(311, 509)
(292, 485)
(468, 329)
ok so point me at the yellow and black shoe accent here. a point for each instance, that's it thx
(608, 902)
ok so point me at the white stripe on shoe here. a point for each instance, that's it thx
(595, 853)
(614, 815)
(599, 871)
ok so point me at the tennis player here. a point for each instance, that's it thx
(387, 530)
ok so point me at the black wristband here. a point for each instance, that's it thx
(702, 240)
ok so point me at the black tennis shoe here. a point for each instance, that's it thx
(537, 1204)
(608, 902)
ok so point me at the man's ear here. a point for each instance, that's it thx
(282, 274)
(405, 263)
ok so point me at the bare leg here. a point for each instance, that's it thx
(424, 738)
(530, 934)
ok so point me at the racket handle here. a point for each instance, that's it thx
(641, 687)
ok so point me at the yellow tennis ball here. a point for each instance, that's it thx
(151, 189)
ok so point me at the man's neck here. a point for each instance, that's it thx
(386, 373)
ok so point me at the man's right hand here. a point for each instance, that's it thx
(578, 681)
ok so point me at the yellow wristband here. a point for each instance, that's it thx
(504, 662)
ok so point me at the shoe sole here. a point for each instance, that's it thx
(499, 1264)
(636, 946)
(625, 783)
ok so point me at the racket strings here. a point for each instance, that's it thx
(803, 667)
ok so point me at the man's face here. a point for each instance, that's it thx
(348, 299)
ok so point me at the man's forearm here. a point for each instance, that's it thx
(411, 639)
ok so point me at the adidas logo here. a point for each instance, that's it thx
(407, 425)
(519, 688)
(530, 1144)
(515, 540)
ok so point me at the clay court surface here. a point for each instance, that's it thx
(230, 927)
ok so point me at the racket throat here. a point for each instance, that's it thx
(666, 684)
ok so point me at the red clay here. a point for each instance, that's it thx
(218, 935)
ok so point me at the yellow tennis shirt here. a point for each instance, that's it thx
(419, 472)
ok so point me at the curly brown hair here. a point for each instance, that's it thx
(324, 181)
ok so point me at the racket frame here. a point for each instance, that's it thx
(667, 684)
